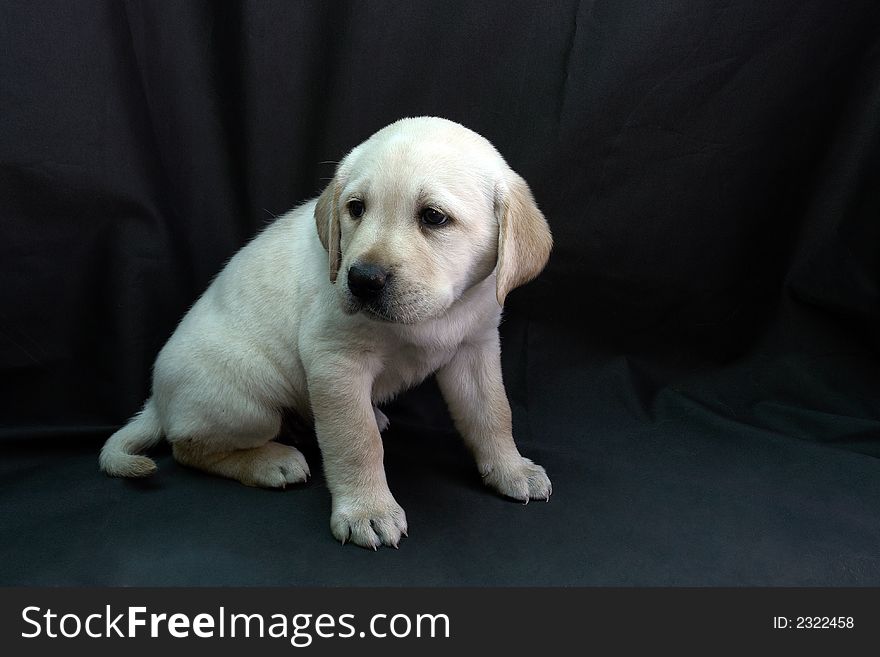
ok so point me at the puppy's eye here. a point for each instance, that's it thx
(433, 217)
(356, 208)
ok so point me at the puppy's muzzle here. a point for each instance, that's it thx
(366, 280)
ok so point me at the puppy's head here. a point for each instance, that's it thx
(419, 213)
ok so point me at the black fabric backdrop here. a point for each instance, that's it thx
(697, 368)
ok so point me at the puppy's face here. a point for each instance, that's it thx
(414, 217)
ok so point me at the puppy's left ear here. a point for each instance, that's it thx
(524, 239)
(327, 223)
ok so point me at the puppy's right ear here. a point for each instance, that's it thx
(327, 223)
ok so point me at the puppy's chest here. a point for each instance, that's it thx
(407, 366)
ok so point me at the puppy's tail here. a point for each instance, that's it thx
(119, 455)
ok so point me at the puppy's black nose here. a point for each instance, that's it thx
(366, 280)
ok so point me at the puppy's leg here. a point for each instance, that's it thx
(364, 511)
(245, 452)
(472, 386)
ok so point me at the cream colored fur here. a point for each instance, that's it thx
(278, 328)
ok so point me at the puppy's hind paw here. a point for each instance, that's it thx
(276, 465)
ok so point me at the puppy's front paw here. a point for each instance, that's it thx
(368, 523)
(521, 479)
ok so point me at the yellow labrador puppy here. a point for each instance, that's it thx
(397, 271)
